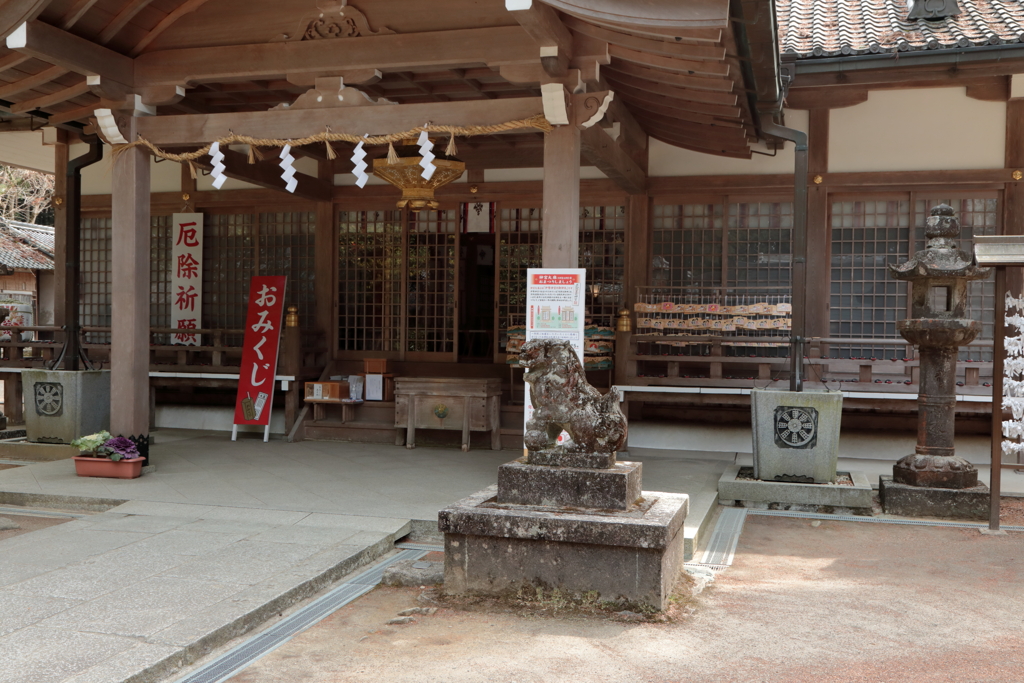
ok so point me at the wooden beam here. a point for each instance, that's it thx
(267, 174)
(664, 89)
(671, 99)
(76, 12)
(444, 49)
(126, 14)
(30, 82)
(165, 23)
(684, 66)
(62, 95)
(602, 151)
(294, 124)
(17, 12)
(825, 98)
(628, 69)
(70, 52)
(542, 24)
(658, 47)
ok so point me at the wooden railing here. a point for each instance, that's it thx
(708, 364)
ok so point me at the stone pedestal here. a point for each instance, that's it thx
(614, 488)
(925, 501)
(62, 405)
(632, 557)
(796, 435)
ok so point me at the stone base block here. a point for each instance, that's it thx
(731, 488)
(615, 488)
(633, 557)
(62, 405)
(796, 435)
(559, 458)
(921, 501)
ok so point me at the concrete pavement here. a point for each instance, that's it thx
(219, 537)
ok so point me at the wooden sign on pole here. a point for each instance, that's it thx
(186, 276)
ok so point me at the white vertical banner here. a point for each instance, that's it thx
(554, 310)
(186, 276)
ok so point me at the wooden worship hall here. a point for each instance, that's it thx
(734, 175)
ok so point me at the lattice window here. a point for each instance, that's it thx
(288, 247)
(160, 235)
(978, 216)
(865, 301)
(94, 276)
(229, 261)
(687, 245)
(603, 254)
(520, 246)
(370, 280)
(760, 247)
(431, 252)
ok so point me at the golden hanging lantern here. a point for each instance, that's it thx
(407, 175)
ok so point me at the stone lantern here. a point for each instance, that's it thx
(938, 325)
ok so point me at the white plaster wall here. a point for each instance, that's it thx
(216, 418)
(25, 149)
(164, 176)
(917, 130)
(668, 160)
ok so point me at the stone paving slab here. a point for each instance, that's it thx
(135, 593)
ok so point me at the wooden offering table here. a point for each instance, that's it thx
(448, 403)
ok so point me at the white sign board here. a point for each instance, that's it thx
(186, 276)
(554, 310)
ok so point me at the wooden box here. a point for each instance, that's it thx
(376, 366)
(448, 403)
(326, 391)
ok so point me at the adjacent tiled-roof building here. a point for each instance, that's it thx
(23, 245)
(832, 28)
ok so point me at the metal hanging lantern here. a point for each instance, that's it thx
(406, 174)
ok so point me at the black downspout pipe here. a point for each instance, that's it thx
(72, 251)
(799, 331)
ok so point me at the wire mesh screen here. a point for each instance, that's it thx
(229, 261)
(520, 247)
(160, 275)
(287, 243)
(978, 216)
(865, 301)
(370, 280)
(687, 245)
(94, 277)
(431, 281)
(603, 255)
(759, 246)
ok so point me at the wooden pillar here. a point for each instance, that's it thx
(1013, 197)
(326, 285)
(13, 398)
(639, 214)
(129, 261)
(818, 230)
(561, 214)
(61, 229)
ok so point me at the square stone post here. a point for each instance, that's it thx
(561, 212)
(129, 338)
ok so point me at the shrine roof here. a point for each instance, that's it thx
(23, 245)
(837, 28)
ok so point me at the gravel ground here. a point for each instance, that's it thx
(843, 601)
(28, 523)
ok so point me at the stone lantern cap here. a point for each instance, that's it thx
(941, 258)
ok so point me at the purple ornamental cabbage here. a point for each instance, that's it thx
(121, 447)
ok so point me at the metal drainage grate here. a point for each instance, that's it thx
(875, 520)
(430, 547)
(277, 635)
(722, 544)
(29, 512)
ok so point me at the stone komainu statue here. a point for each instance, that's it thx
(564, 400)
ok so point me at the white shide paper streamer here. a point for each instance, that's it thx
(360, 166)
(427, 162)
(217, 172)
(287, 170)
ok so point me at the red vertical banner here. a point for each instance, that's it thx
(259, 353)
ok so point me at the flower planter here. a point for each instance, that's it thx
(104, 467)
